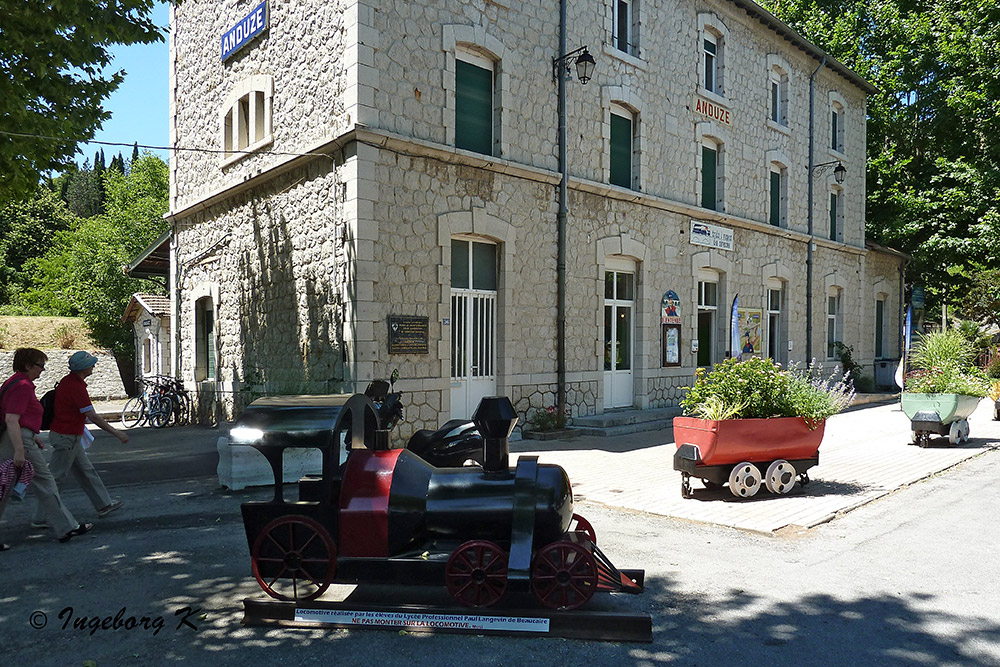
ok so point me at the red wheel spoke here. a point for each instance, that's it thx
(283, 570)
(280, 546)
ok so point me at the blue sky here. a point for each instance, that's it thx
(139, 108)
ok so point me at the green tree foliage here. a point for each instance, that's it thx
(53, 84)
(27, 230)
(84, 191)
(982, 301)
(933, 127)
(82, 274)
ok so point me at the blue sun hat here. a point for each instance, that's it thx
(81, 361)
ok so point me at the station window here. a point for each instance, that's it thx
(247, 118)
(622, 146)
(711, 175)
(474, 102)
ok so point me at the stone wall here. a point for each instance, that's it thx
(105, 382)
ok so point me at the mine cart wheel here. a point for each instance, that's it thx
(581, 525)
(965, 430)
(780, 477)
(476, 574)
(996, 414)
(804, 478)
(915, 437)
(685, 485)
(955, 433)
(294, 558)
(744, 480)
(564, 575)
(924, 439)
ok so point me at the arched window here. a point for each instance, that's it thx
(246, 118)
(204, 324)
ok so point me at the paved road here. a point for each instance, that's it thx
(908, 579)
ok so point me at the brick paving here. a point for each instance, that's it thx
(866, 453)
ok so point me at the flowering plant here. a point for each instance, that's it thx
(760, 389)
(548, 419)
(943, 365)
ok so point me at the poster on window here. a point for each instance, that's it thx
(750, 331)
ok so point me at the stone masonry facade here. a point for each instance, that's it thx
(346, 211)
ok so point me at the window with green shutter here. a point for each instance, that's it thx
(473, 107)
(621, 151)
(833, 216)
(775, 218)
(835, 130)
(709, 166)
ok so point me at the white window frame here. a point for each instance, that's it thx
(782, 171)
(711, 29)
(833, 322)
(631, 46)
(246, 119)
(837, 192)
(622, 111)
(778, 96)
(774, 333)
(837, 144)
(462, 42)
(719, 148)
(709, 278)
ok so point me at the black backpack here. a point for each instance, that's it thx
(48, 401)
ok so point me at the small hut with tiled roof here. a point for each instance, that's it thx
(150, 318)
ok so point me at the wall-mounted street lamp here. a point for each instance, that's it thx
(581, 58)
(839, 172)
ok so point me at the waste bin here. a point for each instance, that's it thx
(885, 371)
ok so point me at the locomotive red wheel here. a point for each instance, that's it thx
(579, 524)
(476, 574)
(294, 558)
(563, 575)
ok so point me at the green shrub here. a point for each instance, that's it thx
(760, 389)
(548, 419)
(942, 364)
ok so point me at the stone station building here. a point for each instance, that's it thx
(384, 195)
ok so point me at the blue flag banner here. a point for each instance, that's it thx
(735, 345)
(907, 329)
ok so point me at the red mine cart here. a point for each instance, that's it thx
(746, 452)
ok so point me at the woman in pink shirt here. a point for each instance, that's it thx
(22, 414)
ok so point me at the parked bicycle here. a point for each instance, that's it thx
(163, 401)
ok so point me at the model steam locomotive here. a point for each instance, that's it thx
(385, 515)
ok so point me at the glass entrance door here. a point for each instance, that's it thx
(619, 300)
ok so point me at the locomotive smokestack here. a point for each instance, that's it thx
(495, 418)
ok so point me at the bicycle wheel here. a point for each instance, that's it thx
(159, 411)
(134, 412)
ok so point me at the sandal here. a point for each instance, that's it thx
(79, 530)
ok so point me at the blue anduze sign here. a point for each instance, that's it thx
(245, 30)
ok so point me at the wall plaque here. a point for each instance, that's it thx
(408, 334)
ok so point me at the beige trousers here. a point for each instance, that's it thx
(68, 455)
(43, 485)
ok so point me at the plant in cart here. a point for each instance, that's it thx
(752, 423)
(943, 388)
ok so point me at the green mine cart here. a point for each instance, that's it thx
(939, 414)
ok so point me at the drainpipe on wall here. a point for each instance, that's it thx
(809, 251)
(561, 230)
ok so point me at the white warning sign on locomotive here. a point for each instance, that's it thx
(417, 621)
